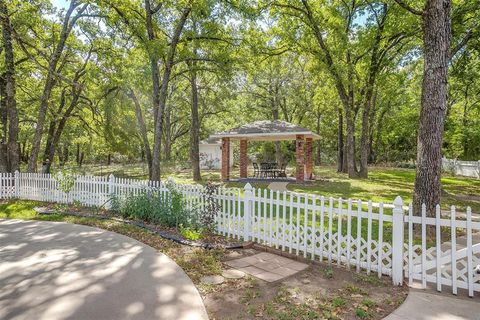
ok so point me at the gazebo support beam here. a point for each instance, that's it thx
(243, 158)
(225, 159)
(300, 157)
(309, 158)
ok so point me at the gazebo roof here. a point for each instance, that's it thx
(211, 141)
(267, 131)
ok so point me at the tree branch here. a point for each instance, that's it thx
(405, 6)
(461, 44)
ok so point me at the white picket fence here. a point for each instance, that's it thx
(357, 234)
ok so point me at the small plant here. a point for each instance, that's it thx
(211, 208)
(365, 278)
(151, 205)
(190, 233)
(249, 295)
(338, 302)
(361, 313)
(269, 309)
(328, 272)
(326, 314)
(351, 288)
(368, 302)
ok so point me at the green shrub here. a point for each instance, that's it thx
(150, 205)
(190, 233)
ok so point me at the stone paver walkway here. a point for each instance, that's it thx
(278, 186)
(56, 270)
(267, 266)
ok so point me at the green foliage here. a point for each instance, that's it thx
(152, 206)
(190, 233)
(361, 313)
(338, 302)
(328, 272)
(251, 64)
(65, 181)
(211, 207)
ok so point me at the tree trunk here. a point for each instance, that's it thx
(371, 125)
(13, 149)
(276, 116)
(77, 155)
(4, 125)
(318, 157)
(163, 95)
(153, 62)
(351, 165)
(167, 146)
(3, 110)
(24, 152)
(436, 40)
(142, 128)
(65, 154)
(47, 157)
(345, 157)
(364, 143)
(58, 130)
(340, 155)
(50, 83)
(3, 158)
(81, 158)
(195, 125)
(369, 91)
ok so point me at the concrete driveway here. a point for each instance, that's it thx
(55, 270)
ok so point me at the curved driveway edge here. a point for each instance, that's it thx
(57, 270)
(430, 305)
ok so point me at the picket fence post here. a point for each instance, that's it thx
(478, 171)
(247, 208)
(17, 184)
(397, 241)
(111, 191)
(111, 182)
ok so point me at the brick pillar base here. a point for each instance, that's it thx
(243, 158)
(299, 155)
(309, 158)
(225, 159)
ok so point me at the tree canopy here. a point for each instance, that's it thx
(145, 80)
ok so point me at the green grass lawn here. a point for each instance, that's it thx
(383, 184)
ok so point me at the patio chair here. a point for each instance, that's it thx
(282, 171)
(264, 169)
(269, 169)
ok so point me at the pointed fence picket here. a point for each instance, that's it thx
(344, 231)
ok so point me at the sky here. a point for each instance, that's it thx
(60, 3)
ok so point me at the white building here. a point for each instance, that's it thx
(211, 154)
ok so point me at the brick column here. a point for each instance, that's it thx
(309, 158)
(243, 158)
(299, 155)
(225, 159)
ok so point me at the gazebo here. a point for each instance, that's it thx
(269, 131)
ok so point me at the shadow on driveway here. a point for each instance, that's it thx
(56, 270)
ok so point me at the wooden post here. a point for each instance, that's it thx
(225, 159)
(299, 154)
(243, 158)
(309, 158)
